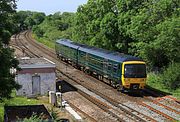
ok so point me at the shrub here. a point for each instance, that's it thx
(171, 76)
(33, 118)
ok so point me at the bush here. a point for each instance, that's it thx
(171, 76)
(168, 79)
(154, 81)
(33, 118)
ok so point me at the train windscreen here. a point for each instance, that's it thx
(135, 71)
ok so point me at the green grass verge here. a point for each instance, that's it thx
(154, 82)
(16, 101)
(44, 41)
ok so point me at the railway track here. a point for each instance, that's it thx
(117, 110)
(115, 107)
(38, 55)
(105, 103)
(18, 44)
(110, 104)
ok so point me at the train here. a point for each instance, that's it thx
(124, 72)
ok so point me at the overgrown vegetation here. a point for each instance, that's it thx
(8, 26)
(55, 26)
(168, 80)
(50, 44)
(33, 118)
(147, 29)
(15, 101)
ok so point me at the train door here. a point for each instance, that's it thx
(77, 54)
(105, 66)
(36, 85)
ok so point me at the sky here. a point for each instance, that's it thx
(49, 6)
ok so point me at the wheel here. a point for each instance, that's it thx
(112, 84)
(120, 88)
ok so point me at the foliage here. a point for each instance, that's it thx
(54, 115)
(149, 29)
(7, 60)
(96, 24)
(154, 82)
(1, 113)
(155, 27)
(26, 19)
(169, 78)
(7, 83)
(54, 27)
(15, 101)
(33, 118)
(49, 44)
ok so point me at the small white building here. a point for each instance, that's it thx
(37, 76)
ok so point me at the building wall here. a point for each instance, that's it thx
(47, 82)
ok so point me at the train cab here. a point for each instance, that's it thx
(133, 75)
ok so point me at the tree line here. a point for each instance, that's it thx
(7, 60)
(147, 29)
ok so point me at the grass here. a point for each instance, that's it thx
(153, 82)
(44, 41)
(15, 101)
(159, 86)
(1, 113)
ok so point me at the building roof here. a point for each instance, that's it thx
(35, 63)
(110, 55)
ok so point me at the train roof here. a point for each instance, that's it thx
(110, 55)
(68, 43)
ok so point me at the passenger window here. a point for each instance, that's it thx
(109, 66)
(115, 68)
(105, 64)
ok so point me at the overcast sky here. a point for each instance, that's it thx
(50, 6)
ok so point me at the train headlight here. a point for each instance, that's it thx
(126, 80)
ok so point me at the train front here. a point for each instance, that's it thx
(133, 75)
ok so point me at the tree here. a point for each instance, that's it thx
(97, 24)
(7, 60)
(155, 28)
(26, 19)
(148, 29)
(58, 25)
(21, 17)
